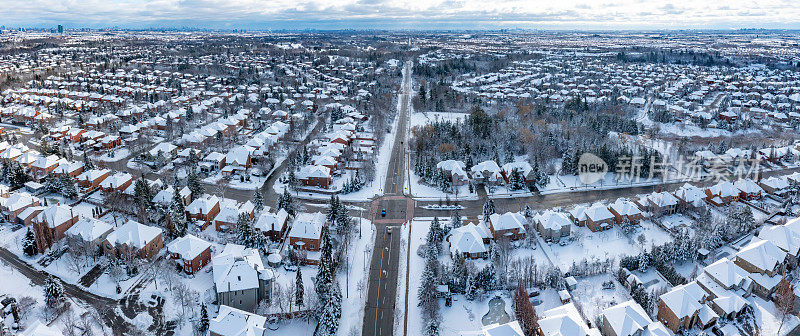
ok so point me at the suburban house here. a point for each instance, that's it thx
(204, 209)
(50, 225)
(91, 231)
(306, 234)
(240, 279)
(272, 225)
(775, 185)
(117, 182)
(315, 176)
(468, 241)
(564, 320)
(487, 172)
(229, 214)
(722, 193)
(628, 319)
(660, 203)
(722, 277)
(523, 167)
(625, 210)
(456, 170)
(190, 253)
(509, 224)
(684, 308)
(690, 196)
(136, 239)
(167, 195)
(765, 262)
(784, 238)
(552, 225)
(92, 178)
(748, 190)
(235, 322)
(598, 217)
(16, 203)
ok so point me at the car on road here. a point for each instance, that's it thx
(383, 213)
(389, 230)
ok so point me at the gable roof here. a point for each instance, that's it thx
(627, 318)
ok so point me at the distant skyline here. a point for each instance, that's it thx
(398, 14)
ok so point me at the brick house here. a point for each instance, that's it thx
(50, 225)
(315, 176)
(135, 238)
(190, 253)
(509, 224)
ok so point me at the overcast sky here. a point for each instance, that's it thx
(403, 14)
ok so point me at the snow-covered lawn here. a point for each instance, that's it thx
(18, 286)
(114, 155)
(601, 245)
(425, 118)
(592, 298)
(425, 192)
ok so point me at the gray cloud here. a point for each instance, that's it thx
(395, 14)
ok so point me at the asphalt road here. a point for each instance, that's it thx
(382, 288)
(103, 305)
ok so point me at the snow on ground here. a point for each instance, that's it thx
(114, 155)
(425, 118)
(592, 298)
(354, 280)
(18, 286)
(463, 315)
(690, 130)
(422, 191)
(400, 311)
(601, 245)
(415, 266)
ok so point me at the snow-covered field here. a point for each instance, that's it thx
(424, 118)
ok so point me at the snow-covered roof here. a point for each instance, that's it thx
(625, 207)
(308, 225)
(627, 318)
(776, 182)
(552, 220)
(747, 186)
(55, 215)
(234, 322)
(730, 304)
(690, 194)
(783, 237)
(89, 229)
(18, 201)
(466, 239)
(598, 212)
(563, 321)
(268, 221)
(728, 274)
(202, 205)
(314, 171)
(508, 221)
(762, 254)
(236, 268)
(684, 300)
(188, 247)
(133, 234)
